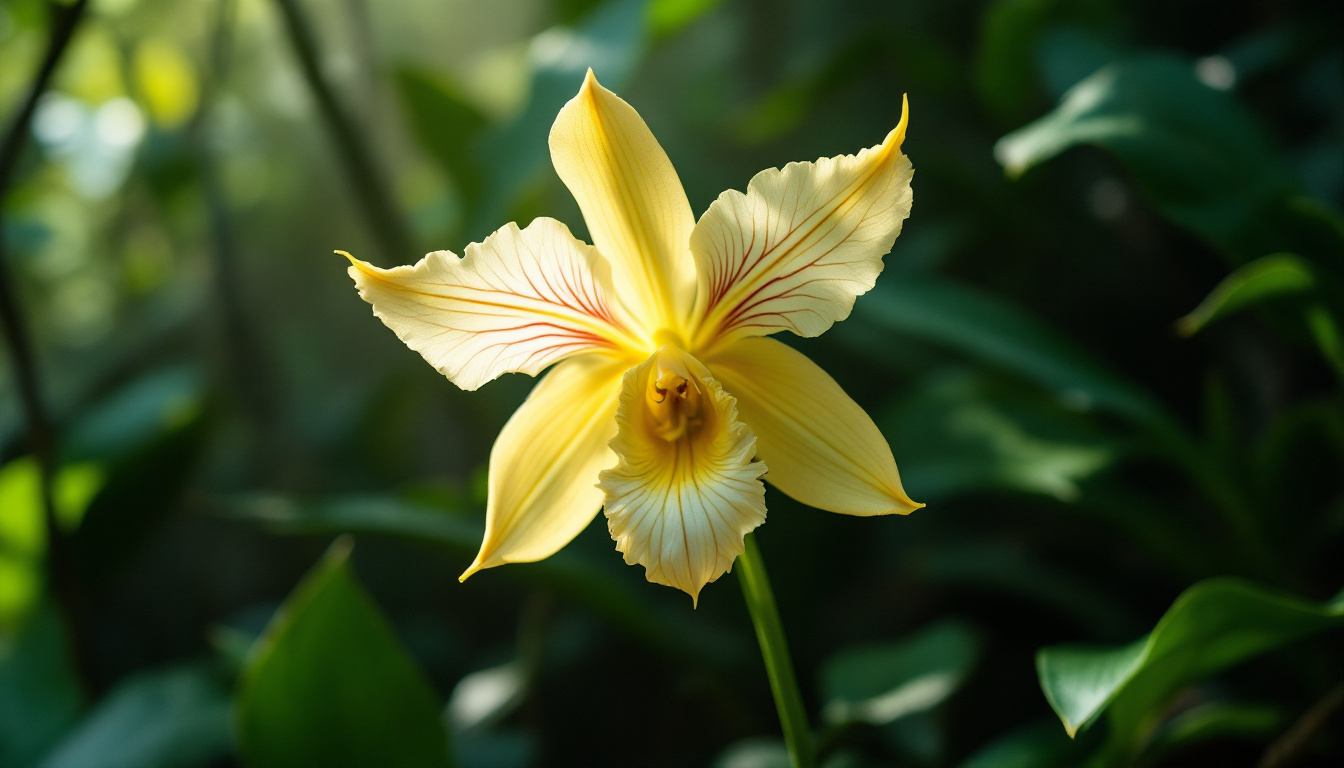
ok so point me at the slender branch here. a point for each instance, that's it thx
(246, 365)
(775, 651)
(41, 434)
(366, 177)
(1289, 747)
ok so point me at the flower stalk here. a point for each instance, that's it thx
(775, 651)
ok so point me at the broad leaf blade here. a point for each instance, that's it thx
(172, 719)
(1039, 745)
(881, 684)
(1080, 682)
(1197, 154)
(329, 684)
(578, 579)
(23, 534)
(446, 125)
(1262, 280)
(40, 696)
(967, 433)
(1213, 625)
(932, 310)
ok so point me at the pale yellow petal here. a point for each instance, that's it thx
(632, 200)
(794, 252)
(544, 466)
(518, 302)
(686, 490)
(822, 448)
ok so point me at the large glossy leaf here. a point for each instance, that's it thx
(1005, 62)
(964, 433)
(1211, 626)
(446, 125)
(668, 17)
(1274, 277)
(1198, 156)
(935, 311)
(754, 753)
(1217, 720)
(569, 574)
(1039, 745)
(40, 696)
(1262, 280)
(178, 718)
(329, 684)
(135, 415)
(23, 535)
(883, 683)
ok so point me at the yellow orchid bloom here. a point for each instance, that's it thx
(666, 403)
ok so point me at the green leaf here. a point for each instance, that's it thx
(40, 695)
(135, 415)
(484, 697)
(329, 684)
(1274, 277)
(754, 753)
(23, 534)
(171, 719)
(1211, 626)
(1039, 745)
(1197, 155)
(1067, 53)
(882, 684)
(1217, 720)
(447, 126)
(498, 748)
(932, 310)
(1005, 62)
(966, 433)
(668, 17)
(1262, 280)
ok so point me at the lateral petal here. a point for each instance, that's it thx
(518, 302)
(822, 448)
(632, 201)
(545, 463)
(794, 252)
(685, 491)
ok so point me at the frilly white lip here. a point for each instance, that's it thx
(682, 496)
(662, 390)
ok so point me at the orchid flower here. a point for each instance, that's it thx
(667, 403)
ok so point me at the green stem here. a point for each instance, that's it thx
(775, 651)
(42, 440)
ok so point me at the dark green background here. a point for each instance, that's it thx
(224, 404)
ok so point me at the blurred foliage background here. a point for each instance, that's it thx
(1107, 352)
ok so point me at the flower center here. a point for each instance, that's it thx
(674, 398)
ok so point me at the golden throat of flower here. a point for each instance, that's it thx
(674, 397)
